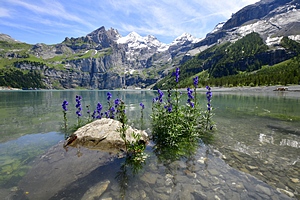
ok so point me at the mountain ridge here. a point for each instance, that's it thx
(103, 59)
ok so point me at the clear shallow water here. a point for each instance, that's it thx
(258, 133)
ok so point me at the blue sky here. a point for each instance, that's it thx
(50, 21)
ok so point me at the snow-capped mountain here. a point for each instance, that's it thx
(135, 41)
(272, 19)
(105, 59)
(139, 50)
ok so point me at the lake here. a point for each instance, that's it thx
(255, 154)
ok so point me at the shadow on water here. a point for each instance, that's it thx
(78, 188)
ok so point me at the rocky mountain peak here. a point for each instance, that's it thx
(271, 19)
(255, 12)
(134, 40)
(102, 37)
(7, 38)
(186, 37)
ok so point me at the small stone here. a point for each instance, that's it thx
(217, 198)
(290, 194)
(190, 174)
(149, 178)
(295, 180)
(204, 183)
(14, 189)
(213, 172)
(245, 170)
(252, 167)
(96, 191)
(202, 160)
(260, 188)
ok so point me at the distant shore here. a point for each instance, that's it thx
(291, 88)
(8, 88)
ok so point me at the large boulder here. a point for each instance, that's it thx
(103, 135)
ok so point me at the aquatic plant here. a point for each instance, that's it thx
(65, 109)
(142, 115)
(174, 121)
(79, 108)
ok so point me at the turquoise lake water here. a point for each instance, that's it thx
(258, 134)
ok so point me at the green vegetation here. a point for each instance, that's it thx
(20, 78)
(284, 73)
(238, 64)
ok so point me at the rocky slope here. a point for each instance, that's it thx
(102, 59)
(272, 19)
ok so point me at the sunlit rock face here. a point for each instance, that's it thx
(270, 18)
(103, 135)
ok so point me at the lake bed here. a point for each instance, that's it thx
(255, 155)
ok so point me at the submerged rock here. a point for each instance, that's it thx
(96, 191)
(103, 135)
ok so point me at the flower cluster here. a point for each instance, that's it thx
(142, 105)
(176, 74)
(196, 80)
(169, 106)
(78, 105)
(190, 97)
(174, 122)
(64, 105)
(109, 96)
(117, 102)
(208, 97)
(160, 96)
(97, 111)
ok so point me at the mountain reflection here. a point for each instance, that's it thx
(283, 142)
(291, 143)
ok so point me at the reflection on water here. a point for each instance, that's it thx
(291, 143)
(257, 133)
(284, 142)
(264, 138)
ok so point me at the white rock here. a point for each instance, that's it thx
(103, 135)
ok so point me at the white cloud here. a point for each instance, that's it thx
(51, 8)
(4, 12)
(161, 18)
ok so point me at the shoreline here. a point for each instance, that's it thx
(8, 88)
(291, 88)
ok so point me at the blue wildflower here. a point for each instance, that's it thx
(161, 94)
(169, 107)
(94, 114)
(117, 102)
(64, 105)
(78, 105)
(98, 110)
(208, 96)
(78, 113)
(190, 97)
(109, 96)
(208, 93)
(196, 80)
(142, 105)
(190, 92)
(176, 74)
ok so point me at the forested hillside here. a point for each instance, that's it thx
(247, 62)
